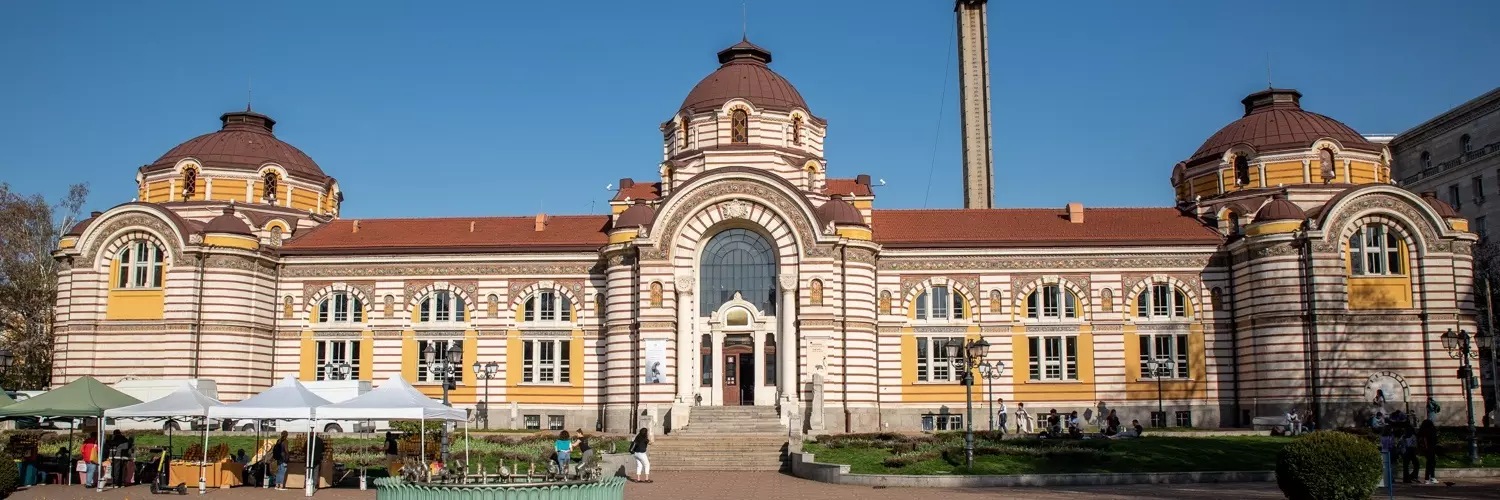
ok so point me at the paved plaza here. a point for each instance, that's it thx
(774, 486)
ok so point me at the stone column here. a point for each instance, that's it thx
(716, 398)
(758, 343)
(786, 340)
(685, 322)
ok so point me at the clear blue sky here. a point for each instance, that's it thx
(505, 108)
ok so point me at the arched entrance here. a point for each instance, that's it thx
(738, 299)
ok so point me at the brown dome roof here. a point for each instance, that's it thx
(744, 74)
(228, 223)
(245, 140)
(1442, 208)
(839, 211)
(77, 229)
(639, 214)
(1274, 120)
(1280, 208)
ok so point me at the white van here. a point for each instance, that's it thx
(152, 389)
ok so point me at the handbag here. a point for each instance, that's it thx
(82, 467)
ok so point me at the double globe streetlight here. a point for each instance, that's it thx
(1461, 346)
(1161, 368)
(337, 371)
(967, 358)
(448, 367)
(486, 372)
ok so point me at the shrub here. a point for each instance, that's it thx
(10, 475)
(1328, 465)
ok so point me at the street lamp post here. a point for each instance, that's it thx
(1461, 346)
(448, 364)
(337, 371)
(967, 358)
(990, 372)
(1161, 367)
(486, 371)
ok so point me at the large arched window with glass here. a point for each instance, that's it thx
(1375, 250)
(141, 264)
(440, 306)
(547, 306)
(739, 126)
(738, 260)
(939, 303)
(1161, 301)
(1052, 302)
(341, 307)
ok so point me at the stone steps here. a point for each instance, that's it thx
(724, 438)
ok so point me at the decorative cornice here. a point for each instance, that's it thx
(1167, 261)
(360, 271)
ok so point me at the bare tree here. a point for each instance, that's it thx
(1486, 275)
(29, 231)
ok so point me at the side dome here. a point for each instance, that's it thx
(77, 229)
(1442, 208)
(744, 73)
(1274, 120)
(1280, 209)
(228, 223)
(246, 141)
(838, 211)
(639, 214)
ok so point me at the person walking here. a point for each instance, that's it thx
(121, 452)
(90, 450)
(638, 450)
(1427, 443)
(584, 451)
(1002, 415)
(280, 455)
(1023, 418)
(1387, 448)
(1408, 448)
(564, 447)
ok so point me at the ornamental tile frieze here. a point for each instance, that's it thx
(1334, 231)
(861, 255)
(695, 201)
(1053, 328)
(103, 236)
(310, 289)
(1277, 249)
(361, 271)
(1169, 261)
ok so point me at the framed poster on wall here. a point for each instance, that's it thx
(656, 361)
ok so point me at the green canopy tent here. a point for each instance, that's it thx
(83, 398)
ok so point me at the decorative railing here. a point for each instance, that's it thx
(394, 488)
(1473, 154)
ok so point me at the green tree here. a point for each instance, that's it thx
(29, 230)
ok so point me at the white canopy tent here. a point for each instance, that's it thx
(287, 400)
(396, 399)
(186, 401)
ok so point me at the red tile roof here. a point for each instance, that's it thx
(1035, 227)
(488, 234)
(639, 191)
(846, 187)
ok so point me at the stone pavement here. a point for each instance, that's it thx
(774, 486)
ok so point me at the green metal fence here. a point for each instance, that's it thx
(610, 488)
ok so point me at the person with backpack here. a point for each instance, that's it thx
(280, 455)
(564, 446)
(638, 450)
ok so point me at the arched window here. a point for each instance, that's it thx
(738, 260)
(599, 307)
(1426, 160)
(341, 307)
(1326, 163)
(142, 264)
(441, 306)
(1241, 170)
(682, 131)
(1375, 250)
(189, 183)
(547, 306)
(796, 130)
(938, 303)
(1464, 145)
(1051, 301)
(270, 183)
(1161, 300)
(739, 126)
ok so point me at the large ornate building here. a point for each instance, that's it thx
(1289, 273)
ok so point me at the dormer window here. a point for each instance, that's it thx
(189, 183)
(739, 126)
(797, 130)
(547, 306)
(270, 187)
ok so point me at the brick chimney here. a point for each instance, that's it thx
(541, 222)
(355, 227)
(1075, 213)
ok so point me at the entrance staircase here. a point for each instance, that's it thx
(724, 438)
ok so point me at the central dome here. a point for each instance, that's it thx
(1274, 120)
(245, 141)
(744, 74)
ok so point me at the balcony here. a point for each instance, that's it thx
(1474, 154)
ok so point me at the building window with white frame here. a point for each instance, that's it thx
(1171, 347)
(429, 371)
(341, 307)
(933, 363)
(441, 306)
(1375, 250)
(1051, 302)
(1161, 301)
(546, 361)
(142, 264)
(547, 306)
(939, 303)
(336, 353)
(1053, 357)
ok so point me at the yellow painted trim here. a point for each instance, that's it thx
(1026, 389)
(66, 243)
(409, 355)
(855, 233)
(1196, 387)
(1380, 292)
(1459, 224)
(231, 241)
(367, 353)
(129, 304)
(540, 394)
(1273, 227)
(622, 236)
(864, 204)
(471, 354)
(275, 224)
(307, 366)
